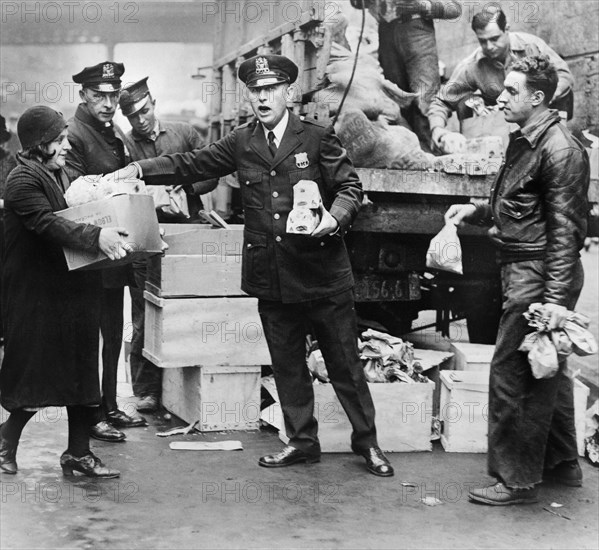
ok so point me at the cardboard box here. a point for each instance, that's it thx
(472, 357)
(221, 398)
(463, 409)
(136, 213)
(403, 417)
(189, 332)
(200, 261)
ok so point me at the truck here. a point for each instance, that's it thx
(403, 209)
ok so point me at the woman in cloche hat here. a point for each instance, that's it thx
(51, 315)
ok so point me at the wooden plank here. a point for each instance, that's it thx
(424, 218)
(424, 182)
(221, 398)
(403, 417)
(181, 332)
(306, 19)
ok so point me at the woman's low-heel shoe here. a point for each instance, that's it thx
(8, 456)
(90, 465)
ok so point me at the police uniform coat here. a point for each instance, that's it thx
(51, 316)
(97, 149)
(278, 266)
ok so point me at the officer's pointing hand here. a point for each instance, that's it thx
(327, 225)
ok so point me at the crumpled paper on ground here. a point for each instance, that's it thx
(547, 348)
(388, 358)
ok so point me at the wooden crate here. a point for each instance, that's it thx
(184, 332)
(472, 357)
(221, 398)
(581, 396)
(200, 261)
(403, 417)
(464, 409)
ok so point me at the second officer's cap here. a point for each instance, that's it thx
(134, 97)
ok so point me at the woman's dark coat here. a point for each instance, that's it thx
(51, 316)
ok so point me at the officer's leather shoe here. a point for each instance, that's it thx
(89, 465)
(288, 456)
(500, 495)
(8, 455)
(376, 461)
(120, 419)
(103, 431)
(148, 403)
(566, 473)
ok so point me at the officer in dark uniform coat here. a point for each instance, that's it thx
(98, 148)
(303, 282)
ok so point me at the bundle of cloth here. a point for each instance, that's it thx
(546, 348)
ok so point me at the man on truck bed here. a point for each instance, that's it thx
(484, 70)
(302, 282)
(537, 213)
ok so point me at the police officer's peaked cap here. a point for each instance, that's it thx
(134, 97)
(103, 77)
(267, 70)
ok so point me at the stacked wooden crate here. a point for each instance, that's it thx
(203, 330)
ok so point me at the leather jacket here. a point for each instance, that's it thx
(538, 206)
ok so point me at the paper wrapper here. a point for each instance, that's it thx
(306, 194)
(302, 221)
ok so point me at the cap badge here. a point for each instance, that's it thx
(107, 70)
(301, 160)
(262, 66)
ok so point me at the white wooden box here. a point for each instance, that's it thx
(221, 398)
(464, 409)
(186, 332)
(472, 357)
(403, 417)
(581, 396)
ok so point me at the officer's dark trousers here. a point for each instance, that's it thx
(531, 421)
(332, 321)
(146, 378)
(111, 328)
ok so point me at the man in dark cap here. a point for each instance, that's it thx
(98, 147)
(302, 282)
(148, 139)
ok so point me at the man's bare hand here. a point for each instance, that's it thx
(449, 142)
(127, 174)
(457, 213)
(557, 315)
(112, 244)
(328, 224)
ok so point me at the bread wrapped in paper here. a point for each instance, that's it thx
(306, 194)
(302, 221)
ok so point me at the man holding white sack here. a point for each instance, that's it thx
(537, 213)
(303, 282)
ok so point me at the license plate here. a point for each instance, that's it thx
(376, 288)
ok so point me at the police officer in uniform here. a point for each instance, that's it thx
(150, 138)
(302, 282)
(97, 147)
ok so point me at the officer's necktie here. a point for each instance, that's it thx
(272, 146)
